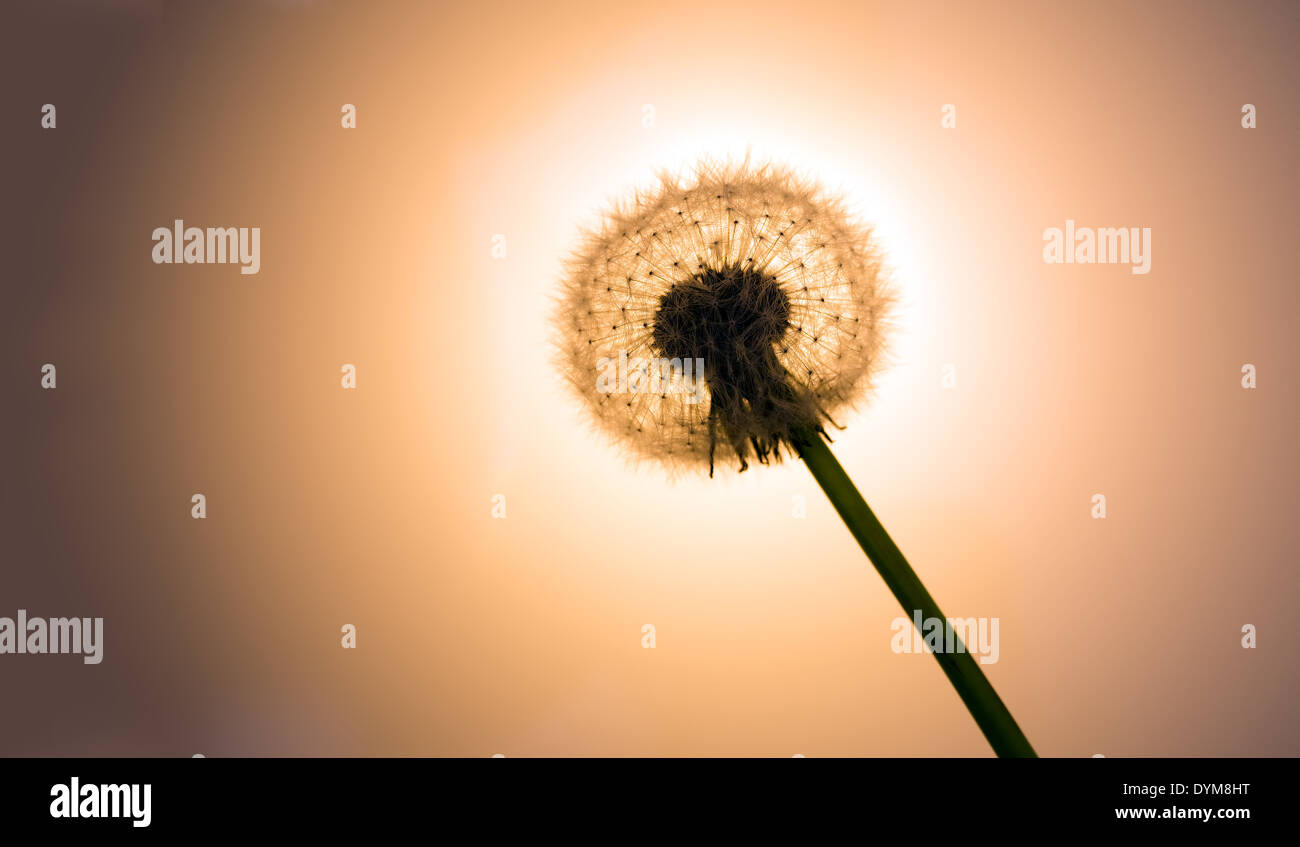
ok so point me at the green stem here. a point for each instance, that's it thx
(963, 671)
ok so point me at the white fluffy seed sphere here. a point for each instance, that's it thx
(752, 272)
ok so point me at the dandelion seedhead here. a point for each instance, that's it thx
(751, 272)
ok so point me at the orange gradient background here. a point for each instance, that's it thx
(523, 636)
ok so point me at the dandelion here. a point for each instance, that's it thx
(755, 273)
(762, 279)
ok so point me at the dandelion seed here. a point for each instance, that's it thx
(783, 300)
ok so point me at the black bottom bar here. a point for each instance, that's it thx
(871, 796)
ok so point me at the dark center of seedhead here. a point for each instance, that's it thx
(725, 315)
(734, 318)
